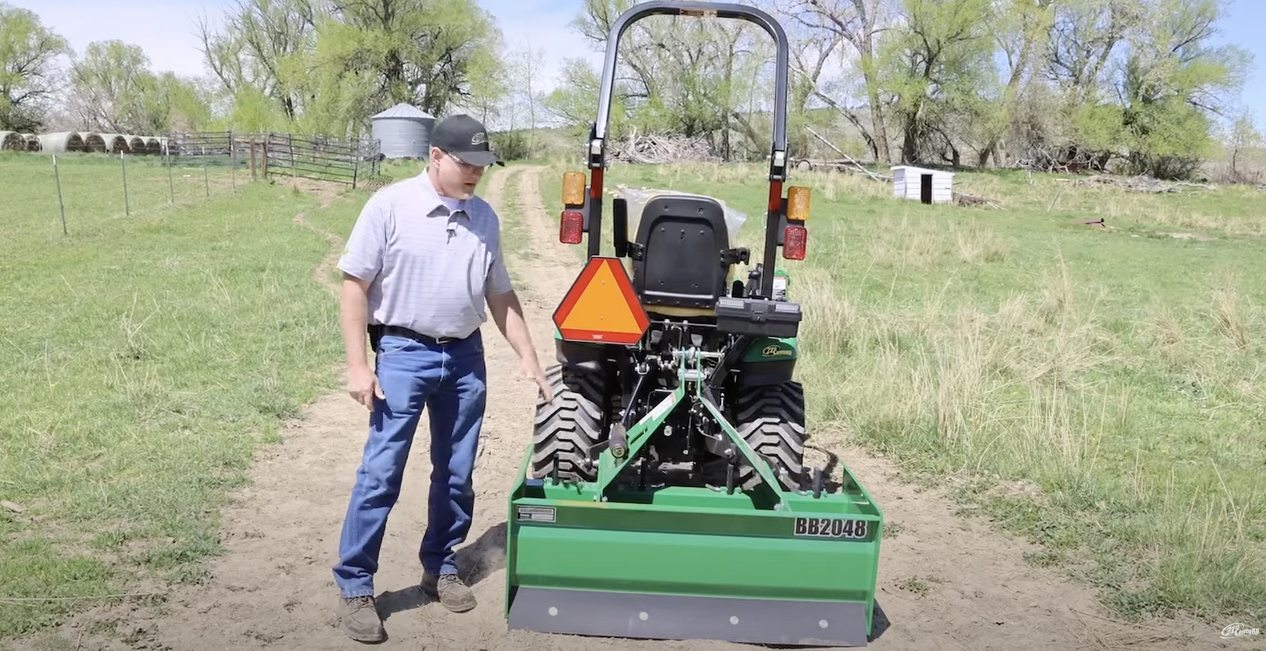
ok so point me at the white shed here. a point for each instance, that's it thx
(919, 184)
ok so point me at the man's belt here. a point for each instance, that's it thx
(377, 332)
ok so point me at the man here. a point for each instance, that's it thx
(422, 260)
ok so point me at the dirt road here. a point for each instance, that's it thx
(946, 582)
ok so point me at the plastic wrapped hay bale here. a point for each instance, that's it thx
(638, 197)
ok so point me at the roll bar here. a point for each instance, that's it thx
(699, 9)
(596, 154)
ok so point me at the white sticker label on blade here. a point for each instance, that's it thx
(662, 407)
(536, 513)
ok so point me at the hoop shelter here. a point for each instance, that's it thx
(93, 141)
(12, 140)
(115, 142)
(62, 141)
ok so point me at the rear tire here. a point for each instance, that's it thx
(771, 420)
(569, 425)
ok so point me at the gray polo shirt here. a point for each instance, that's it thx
(429, 266)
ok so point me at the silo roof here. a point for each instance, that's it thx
(403, 110)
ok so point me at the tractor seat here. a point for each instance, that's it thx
(681, 267)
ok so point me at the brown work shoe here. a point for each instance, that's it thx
(359, 620)
(450, 590)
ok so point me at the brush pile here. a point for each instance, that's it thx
(656, 149)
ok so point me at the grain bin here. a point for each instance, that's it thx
(403, 131)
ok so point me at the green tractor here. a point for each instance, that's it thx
(665, 493)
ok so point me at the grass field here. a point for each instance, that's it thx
(1100, 390)
(146, 356)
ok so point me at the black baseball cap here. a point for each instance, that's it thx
(466, 139)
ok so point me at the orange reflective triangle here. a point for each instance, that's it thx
(601, 306)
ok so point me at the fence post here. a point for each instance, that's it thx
(171, 183)
(127, 209)
(57, 177)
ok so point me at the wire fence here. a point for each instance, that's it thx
(96, 186)
(354, 162)
(187, 168)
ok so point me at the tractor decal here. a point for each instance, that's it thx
(830, 528)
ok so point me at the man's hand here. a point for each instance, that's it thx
(363, 386)
(532, 370)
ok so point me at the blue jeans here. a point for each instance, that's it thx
(449, 381)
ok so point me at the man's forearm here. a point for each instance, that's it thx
(353, 315)
(515, 330)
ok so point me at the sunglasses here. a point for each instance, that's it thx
(467, 167)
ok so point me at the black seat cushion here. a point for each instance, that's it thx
(683, 239)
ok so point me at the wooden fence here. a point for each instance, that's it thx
(352, 162)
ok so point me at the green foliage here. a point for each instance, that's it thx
(1067, 84)
(512, 145)
(1172, 82)
(28, 51)
(935, 70)
(1139, 86)
(327, 67)
(695, 78)
(114, 90)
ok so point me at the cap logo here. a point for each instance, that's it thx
(479, 138)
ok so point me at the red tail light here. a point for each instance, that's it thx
(794, 240)
(571, 226)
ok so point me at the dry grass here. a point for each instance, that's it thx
(1230, 314)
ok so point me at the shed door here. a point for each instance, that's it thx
(925, 188)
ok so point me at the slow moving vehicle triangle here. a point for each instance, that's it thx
(601, 306)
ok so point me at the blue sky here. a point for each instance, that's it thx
(166, 31)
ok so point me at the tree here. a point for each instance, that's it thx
(684, 77)
(264, 46)
(1173, 83)
(937, 71)
(574, 99)
(110, 89)
(524, 96)
(329, 64)
(1022, 31)
(1244, 137)
(858, 23)
(28, 53)
(489, 83)
(413, 50)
